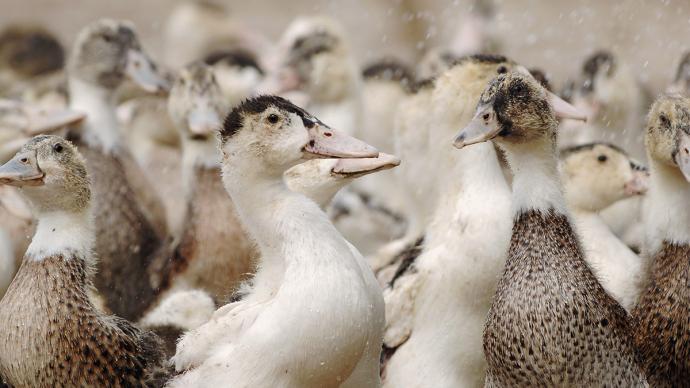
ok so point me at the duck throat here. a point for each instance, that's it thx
(667, 207)
(58, 232)
(536, 183)
(101, 127)
(198, 155)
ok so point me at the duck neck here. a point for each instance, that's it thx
(536, 183)
(667, 207)
(62, 231)
(100, 128)
(195, 155)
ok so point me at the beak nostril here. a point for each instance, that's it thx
(328, 134)
(312, 143)
(486, 116)
(24, 160)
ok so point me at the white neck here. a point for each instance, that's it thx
(198, 154)
(292, 232)
(60, 231)
(536, 182)
(100, 128)
(667, 207)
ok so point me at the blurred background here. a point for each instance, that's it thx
(555, 35)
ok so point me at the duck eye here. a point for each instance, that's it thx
(664, 120)
(108, 38)
(58, 148)
(502, 70)
(273, 118)
(602, 158)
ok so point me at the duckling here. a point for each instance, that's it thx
(31, 60)
(433, 63)
(681, 80)
(309, 313)
(551, 322)
(238, 72)
(595, 176)
(52, 335)
(319, 62)
(662, 328)
(454, 276)
(213, 253)
(105, 52)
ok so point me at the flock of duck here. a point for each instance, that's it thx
(236, 219)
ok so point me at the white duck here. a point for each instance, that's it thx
(595, 176)
(436, 305)
(307, 316)
(238, 72)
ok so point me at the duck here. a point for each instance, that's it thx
(453, 276)
(308, 314)
(594, 176)
(52, 334)
(213, 252)
(681, 80)
(238, 72)
(476, 32)
(661, 330)
(104, 54)
(550, 322)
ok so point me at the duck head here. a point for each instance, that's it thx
(273, 133)
(596, 175)
(515, 108)
(321, 179)
(50, 173)
(317, 61)
(668, 132)
(196, 104)
(107, 52)
(238, 73)
(30, 51)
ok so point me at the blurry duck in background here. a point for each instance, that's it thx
(238, 73)
(547, 288)
(476, 33)
(52, 334)
(681, 80)
(197, 28)
(212, 252)
(308, 316)
(595, 176)
(104, 54)
(662, 332)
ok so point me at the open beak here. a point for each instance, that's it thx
(683, 155)
(355, 168)
(483, 127)
(22, 170)
(145, 73)
(327, 143)
(203, 121)
(639, 183)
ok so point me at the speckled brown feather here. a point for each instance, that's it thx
(126, 241)
(214, 252)
(662, 318)
(51, 335)
(551, 323)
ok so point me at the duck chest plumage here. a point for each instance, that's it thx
(551, 323)
(662, 318)
(51, 335)
(126, 240)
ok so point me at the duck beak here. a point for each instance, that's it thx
(355, 168)
(638, 185)
(483, 127)
(145, 73)
(563, 109)
(682, 157)
(203, 121)
(9, 148)
(22, 170)
(327, 143)
(40, 121)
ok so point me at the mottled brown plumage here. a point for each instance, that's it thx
(214, 253)
(662, 316)
(551, 323)
(126, 241)
(53, 336)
